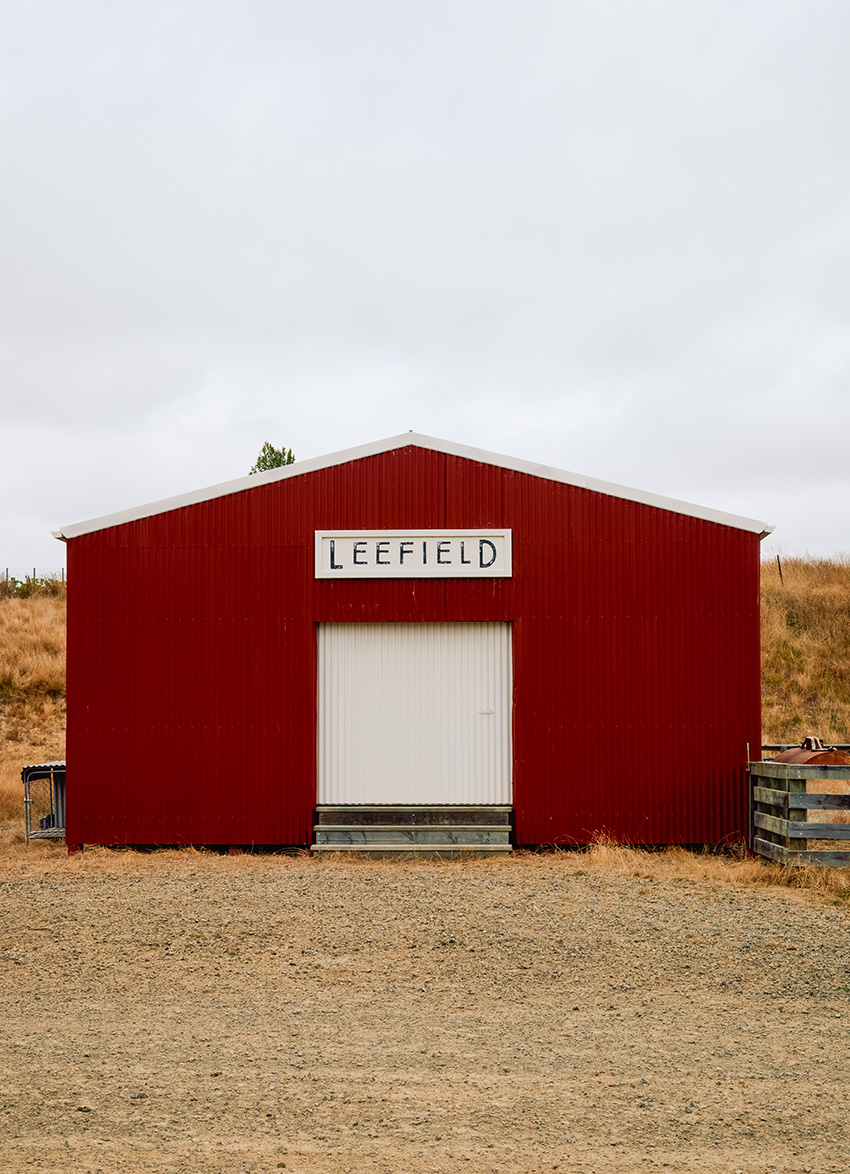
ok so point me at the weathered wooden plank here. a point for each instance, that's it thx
(783, 856)
(785, 799)
(771, 823)
(770, 850)
(772, 798)
(823, 802)
(802, 831)
(830, 859)
(790, 770)
(823, 831)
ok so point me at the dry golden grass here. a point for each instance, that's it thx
(32, 691)
(712, 870)
(806, 649)
(737, 870)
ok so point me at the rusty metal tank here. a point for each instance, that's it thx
(812, 752)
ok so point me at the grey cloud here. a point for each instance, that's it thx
(609, 237)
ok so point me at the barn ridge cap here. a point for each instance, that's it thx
(407, 440)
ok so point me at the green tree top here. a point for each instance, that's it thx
(272, 458)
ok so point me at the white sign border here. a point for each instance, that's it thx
(412, 572)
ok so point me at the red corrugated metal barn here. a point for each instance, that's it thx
(411, 624)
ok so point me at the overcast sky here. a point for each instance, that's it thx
(608, 235)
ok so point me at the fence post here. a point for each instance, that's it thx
(796, 815)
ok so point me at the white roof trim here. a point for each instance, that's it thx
(405, 440)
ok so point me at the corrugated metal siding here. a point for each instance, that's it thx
(414, 713)
(192, 655)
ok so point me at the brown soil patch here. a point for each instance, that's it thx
(188, 1012)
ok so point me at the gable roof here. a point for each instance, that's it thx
(406, 440)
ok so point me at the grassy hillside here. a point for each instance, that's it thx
(32, 689)
(805, 666)
(806, 649)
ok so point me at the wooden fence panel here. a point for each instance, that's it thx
(779, 824)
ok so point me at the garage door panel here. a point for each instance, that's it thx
(414, 713)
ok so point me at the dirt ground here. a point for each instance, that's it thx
(190, 1012)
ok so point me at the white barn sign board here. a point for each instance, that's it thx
(413, 554)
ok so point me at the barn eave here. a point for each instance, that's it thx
(406, 440)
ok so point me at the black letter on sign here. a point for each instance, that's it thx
(403, 552)
(424, 553)
(359, 548)
(482, 542)
(334, 565)
(382, 548)
(441, 550)
(467, 561)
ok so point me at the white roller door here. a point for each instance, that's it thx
(414, 713)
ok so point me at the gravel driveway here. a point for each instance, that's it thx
(188, 1012)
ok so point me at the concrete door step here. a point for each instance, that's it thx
(422, 829)
(396, 834)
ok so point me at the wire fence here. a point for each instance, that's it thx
(15, 583)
